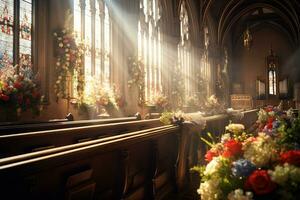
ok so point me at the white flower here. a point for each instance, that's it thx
(61, 45)
(280, 174)
(235, 128)
(210, 190)
(213, 166)
(225, 137)
(262, 151)
(285, 174)
(238, 194)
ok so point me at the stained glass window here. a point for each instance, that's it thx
(16, 50)
(184, 50)
(272, 65)
(93, 24)
(272, 82)
(150, 46)
(25, 33)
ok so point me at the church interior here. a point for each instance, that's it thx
(150, 99)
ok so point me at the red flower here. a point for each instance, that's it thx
(4, 97)
(292, 157)
(17, 85)
(210, 155)
(271, 120)
(269, 125)
(227, 154)
(260, 182)
(232, 148)
(269, 109)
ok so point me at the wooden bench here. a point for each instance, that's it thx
(136, 165)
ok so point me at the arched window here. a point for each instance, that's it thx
(92, 24)
(149, 47)
(272, 65)
(205, 62)
(184, 50)
(16, 33)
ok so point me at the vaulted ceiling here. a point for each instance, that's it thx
(233, 16)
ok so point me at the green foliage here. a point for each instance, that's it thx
(211, 138)
(198, 169)
(166, 118)
(290, 133)
(228, 182)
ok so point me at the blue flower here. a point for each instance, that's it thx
(242, 168)
(276, 124)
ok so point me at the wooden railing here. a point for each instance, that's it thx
(13, 128)
(14, 144)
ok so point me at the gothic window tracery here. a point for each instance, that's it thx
(92, 23)
(184, 50)
(150, 46)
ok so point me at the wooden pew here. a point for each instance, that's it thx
(14, 144)
(136, 165)
(13, 128)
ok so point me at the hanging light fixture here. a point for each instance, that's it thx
(247, 38)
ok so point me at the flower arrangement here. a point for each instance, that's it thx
(160, 101)
(213, 106)
(168, 118)
(264, 165)
(137, 77)
(101, 96)
(177, 88)
(19, 91)
(69, 66)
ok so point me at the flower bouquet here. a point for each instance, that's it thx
(19, 92)
(102, 99)
(265, 165)
(213, 106)
(160, 101)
